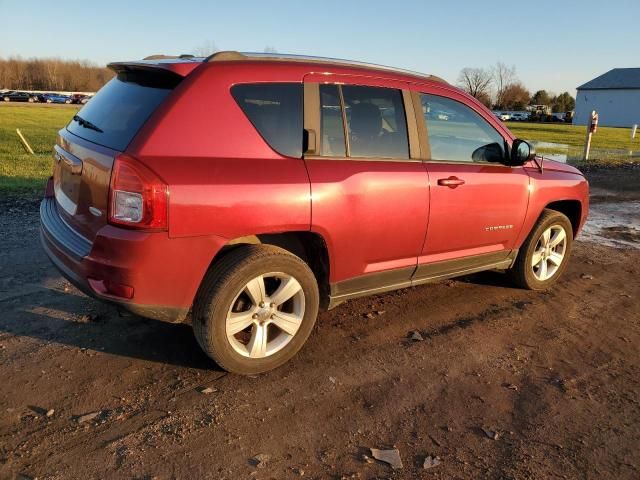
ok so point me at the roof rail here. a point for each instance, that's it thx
(184, 56)
(229, 55)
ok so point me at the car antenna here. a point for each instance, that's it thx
(539, 161)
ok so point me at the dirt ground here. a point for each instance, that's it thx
(553, 378)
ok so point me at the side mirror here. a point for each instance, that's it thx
(521, 152)
(493, 152)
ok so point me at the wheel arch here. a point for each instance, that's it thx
(571, 208)
(309, 246)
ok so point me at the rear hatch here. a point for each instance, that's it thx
(86, 149)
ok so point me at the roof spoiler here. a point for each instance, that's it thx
(175, 65)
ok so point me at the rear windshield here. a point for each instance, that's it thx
(116, 113)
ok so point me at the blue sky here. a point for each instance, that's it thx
(555, 45)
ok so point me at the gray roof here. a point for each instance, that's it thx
(616, 78)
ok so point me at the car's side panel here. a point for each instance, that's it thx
(372, 214)
(551, 186)
(483, 215)
(224, 179)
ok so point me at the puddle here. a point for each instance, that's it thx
(615, 224)
(552, 151)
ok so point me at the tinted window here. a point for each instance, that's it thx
(275, 110)
(331, 125)
(458, 133)
(121, 107)
(376, 121)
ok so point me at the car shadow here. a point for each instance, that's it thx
(78, 321)
(488, 278)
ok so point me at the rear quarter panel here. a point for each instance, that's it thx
(223, 178)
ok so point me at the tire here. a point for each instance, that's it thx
(7, 99)
(534, 277)
(225, 291)
(49, 100)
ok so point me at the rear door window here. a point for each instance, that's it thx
(377, 126)
(116, 113)
(275, 110)
(331, 124)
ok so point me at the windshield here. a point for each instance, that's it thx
(121, 107)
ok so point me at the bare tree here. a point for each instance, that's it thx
(52, 74)
(475, 81)
(207, 48)
(515, 97)
(503, 77)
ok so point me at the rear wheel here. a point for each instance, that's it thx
(7, 99)
(255, 309)
(545, 253)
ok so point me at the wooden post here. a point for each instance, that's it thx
(24, 142)
(592, 127)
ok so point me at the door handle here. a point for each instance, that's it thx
(451, 182)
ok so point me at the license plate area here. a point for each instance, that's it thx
(67, 180)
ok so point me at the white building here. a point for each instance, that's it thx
(615, 95)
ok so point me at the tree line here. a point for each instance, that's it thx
(498, 87)
(52, 74)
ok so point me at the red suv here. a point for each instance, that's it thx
(246, 191)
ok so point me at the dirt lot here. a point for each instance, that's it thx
(555, 375)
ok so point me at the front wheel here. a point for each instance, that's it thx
(255, 309)
(545, 253)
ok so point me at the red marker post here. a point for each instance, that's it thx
(592, 128)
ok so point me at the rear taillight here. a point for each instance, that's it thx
(138, 198)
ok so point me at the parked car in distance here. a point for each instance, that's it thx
(309, 182)
(502, 116)
(18, 97)
(77, 98)
(519, 116)
(57, 98)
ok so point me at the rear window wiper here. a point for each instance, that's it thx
(87, 124)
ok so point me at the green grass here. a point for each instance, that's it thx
(21, 172)
(574, 135)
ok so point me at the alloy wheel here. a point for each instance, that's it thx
(265, 315)
(549, 252)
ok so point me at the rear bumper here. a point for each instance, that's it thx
(162, 273)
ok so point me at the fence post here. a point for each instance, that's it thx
(592, 127)
(24, 142)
